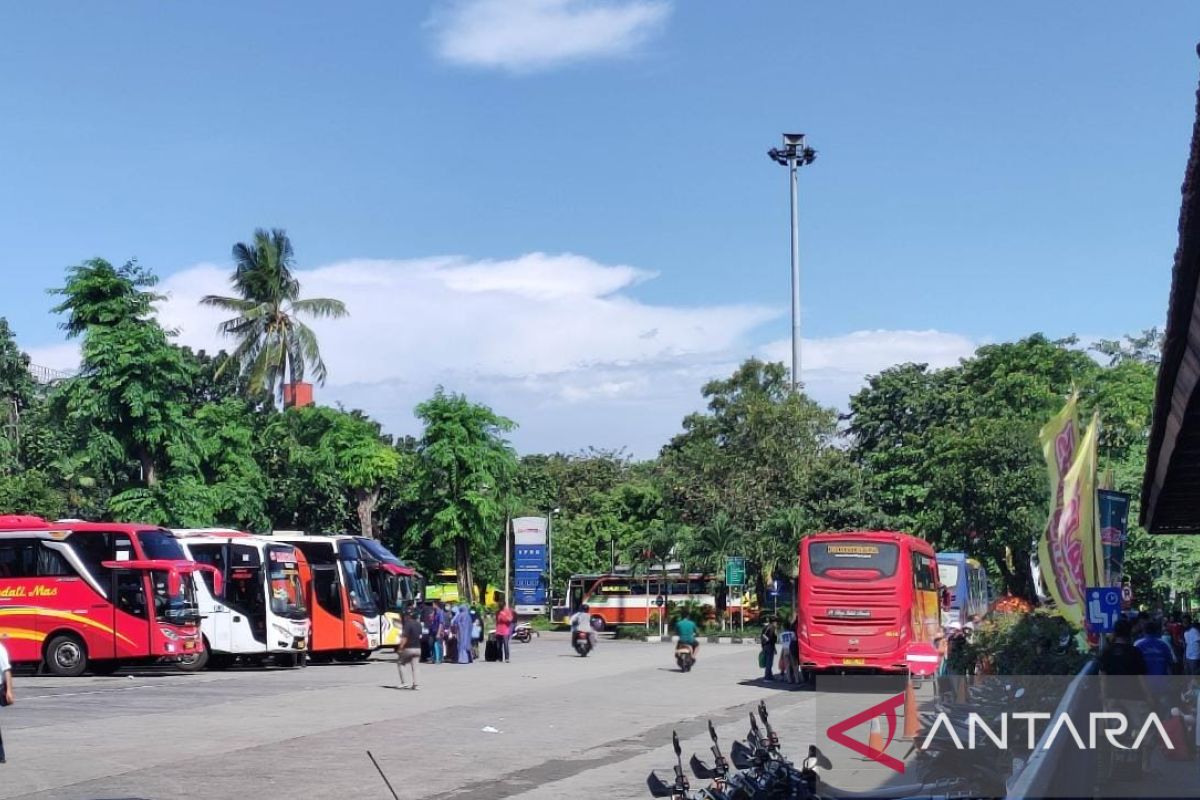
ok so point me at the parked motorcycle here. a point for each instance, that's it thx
(582, 643)
(685, 657)
(522, 632)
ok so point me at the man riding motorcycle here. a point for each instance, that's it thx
(581, 620)
(686, 629)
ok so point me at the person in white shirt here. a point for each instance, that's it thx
(1191, 648)
(581, 620)
(6, 688)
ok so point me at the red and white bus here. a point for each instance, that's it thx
(80, 595)
(616, 599)
(865, 598)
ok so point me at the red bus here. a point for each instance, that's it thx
(80, 595)
(865, 597)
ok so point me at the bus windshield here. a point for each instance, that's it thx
(358, 586)
(179, 608)
(161, 546)
(881, 558)
(948, 577)
(283, 576)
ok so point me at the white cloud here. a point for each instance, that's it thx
(535, 315)
(531, 35)
(556, 342)
(63, 357)
(836, 367)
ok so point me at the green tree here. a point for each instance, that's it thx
(273, 344)
(762, 451)
(365, 460)
(126, 404)
(465, 468)
(16, 396)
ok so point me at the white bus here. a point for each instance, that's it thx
(261, 613)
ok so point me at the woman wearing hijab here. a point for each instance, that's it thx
(462, 627)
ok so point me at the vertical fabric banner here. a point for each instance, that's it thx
(1075, 558)
(1114, 528)
(1058, 437)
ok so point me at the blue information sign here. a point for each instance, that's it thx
(529, 567)
(1103, 608)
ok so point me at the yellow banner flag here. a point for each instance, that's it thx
(1059, 438)
(1070, 552)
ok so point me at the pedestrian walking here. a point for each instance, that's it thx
(408, 652)
(462, 633)
(1191, 648)
(768, 641)
(6, 688)
(437, 631)
(504, 628)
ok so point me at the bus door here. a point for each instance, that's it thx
(327, 608)
(131, 614)
(575, 596)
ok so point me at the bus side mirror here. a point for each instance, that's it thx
(218, 585)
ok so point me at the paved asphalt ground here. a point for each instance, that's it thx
(567, 727)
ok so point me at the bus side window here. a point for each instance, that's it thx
(326, 586)
(131, 593)
(18, 559)
(50, 563)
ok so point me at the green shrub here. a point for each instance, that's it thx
(698, 612)
(543, 624)
(1038, 643)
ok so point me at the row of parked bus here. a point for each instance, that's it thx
(90, 596)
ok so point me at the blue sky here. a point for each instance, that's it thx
(983, 172)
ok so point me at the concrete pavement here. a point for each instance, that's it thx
(565, 725)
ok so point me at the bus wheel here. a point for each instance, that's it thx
(194, 662)
(105, 667)
(66, 656)
(286, 660)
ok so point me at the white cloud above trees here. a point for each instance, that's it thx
(524, 36)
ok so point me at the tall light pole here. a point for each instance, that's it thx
(793, 155)
(550, 512)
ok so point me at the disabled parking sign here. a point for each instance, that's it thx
(1103, 608)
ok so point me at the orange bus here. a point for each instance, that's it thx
(77, 595)
(345, 619)
(866, 597)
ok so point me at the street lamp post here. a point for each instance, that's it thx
(550, 562)
(793, 155)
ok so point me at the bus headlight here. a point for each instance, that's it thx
(282, 631)
(170, 634)
(362, 628)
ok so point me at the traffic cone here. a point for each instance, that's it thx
(875, 740)
(912, 719)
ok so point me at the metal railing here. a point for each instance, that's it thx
(46, 375)
(1054, 771)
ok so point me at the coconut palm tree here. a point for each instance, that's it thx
(273, 345)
